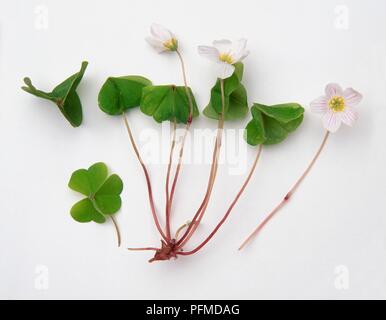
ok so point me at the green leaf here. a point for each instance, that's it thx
(107, 197)
(235, 97)
(97, 174)
(255, 133)
(237, 106)
(282, 112)
(102, 192)
(167, 102)
(89, 181)
(84, 211)
(272, 124)
(63, 95)
(79, 182)
(119, 94)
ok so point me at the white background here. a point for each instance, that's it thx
(335, 222)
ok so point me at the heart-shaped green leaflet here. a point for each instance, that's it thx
(272, 124)
(167, 102)
(236, 104)
(64, 96)
(103, 193)
(119, 94)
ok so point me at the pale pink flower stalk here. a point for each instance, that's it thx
(336, 106)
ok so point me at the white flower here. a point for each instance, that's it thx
(225, 53)
(162, 39)
(337, 106)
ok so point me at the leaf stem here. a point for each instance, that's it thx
(116, 230)
(187, 128)
(147, 178)
(178, 169)
(212, 176)
(167, 207)
(186, 85)
(247, 180)
(288, 196)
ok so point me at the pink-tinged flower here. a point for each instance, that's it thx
(337, 106)
(162, 39)
(225, 54)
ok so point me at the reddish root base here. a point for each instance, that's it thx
(167, 251)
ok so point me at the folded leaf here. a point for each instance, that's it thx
(63, 95)
(282, 112)
(167, 102)
(235, 97)
(272, 124)
(119, 94)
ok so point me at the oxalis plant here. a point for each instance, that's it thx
(269, 125)
(176, 104)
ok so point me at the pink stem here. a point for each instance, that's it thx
(288, 196)
(147, 178)
(212, 177)
(167, 206)
(247, 180)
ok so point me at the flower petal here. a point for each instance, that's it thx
(223, 46)
(348, 116)
(161, 33)
(209, 52)
(156, 44)
(352, 97)
(319, 105)
(333, 90)
(225, 70)
(239, 51)
(332, 121)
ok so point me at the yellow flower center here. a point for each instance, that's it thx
(226, 57)
(337, 104)
(171, 44)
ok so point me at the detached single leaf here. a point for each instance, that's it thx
(103, 193)
(167, 102)
(63, 95)
(272, 124)
(235, 94)
(119, 94)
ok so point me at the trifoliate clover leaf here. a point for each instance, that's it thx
(235, 94)
(63, 95)
(102, 192)
(118, 94)
(168, 102)
(272, 124)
